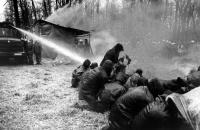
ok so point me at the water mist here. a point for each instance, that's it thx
(51, 44)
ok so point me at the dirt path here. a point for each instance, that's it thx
(40, 97)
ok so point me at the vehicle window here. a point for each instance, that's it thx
(9, 32)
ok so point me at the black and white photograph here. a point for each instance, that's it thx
(99, 64)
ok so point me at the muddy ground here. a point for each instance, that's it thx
(40, 97)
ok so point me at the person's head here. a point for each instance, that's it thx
(108, 66)
(139, 71)
(155, 87)
(93, 65)
(134, 80)
(122, 78)
(198, 68)
(118, 47)
(86, 64)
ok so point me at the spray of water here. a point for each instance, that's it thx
(59, 49)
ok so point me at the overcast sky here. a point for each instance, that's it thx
(2, 2)
(2, 8)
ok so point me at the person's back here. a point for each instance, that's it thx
(92, 81)
(78, 72)
(134, 100)
(110, 94)
(127, 107)
(159, 115)
(76, 76)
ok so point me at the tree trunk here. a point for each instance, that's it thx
(34, 11)
(16, 12)
(49, 6)
(45, 14)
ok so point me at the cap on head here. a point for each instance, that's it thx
(86, 63)
(108, 66)
(119, 47)
(139, 71)
(93, 65)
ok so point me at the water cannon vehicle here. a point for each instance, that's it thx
(14, 45)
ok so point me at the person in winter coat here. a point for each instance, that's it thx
(136, 80)
(92, 82)
(37, 49)
(93, 65)
(113, 54)
(174, 85)
(78, 72)
(113, 90)
(160, 115)
(193, 79)
(129, 105)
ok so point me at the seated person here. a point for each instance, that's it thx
(129, 105)
(92, 82)
(193, 79)
(174, 85)
(136, 80)
(113, 90)
(78, 72)
(93, 65)
(160, 115)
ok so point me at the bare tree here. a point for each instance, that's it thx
(34, 10)
(17, 20)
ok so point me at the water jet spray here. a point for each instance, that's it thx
(51, 44)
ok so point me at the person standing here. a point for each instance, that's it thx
(113, 54)
(38, 52)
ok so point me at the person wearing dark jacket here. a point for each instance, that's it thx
(92, 82)
(174, 85)
(93, 65)
(130, 104)
(38, 52)
(113, 90)
(78, 72)
(193, 79)
(113, 54)
(136, 80)
(160, 115)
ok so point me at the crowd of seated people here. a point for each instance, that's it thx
(134, 102)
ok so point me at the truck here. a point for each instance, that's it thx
(13, 44)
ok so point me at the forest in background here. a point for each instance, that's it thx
(182, 17)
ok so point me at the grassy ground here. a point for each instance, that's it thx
(40, 97)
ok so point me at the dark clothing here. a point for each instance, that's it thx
(173, 85)
(112, 55)
(111, 93)
(194, 79)
(92, 82)
(152, 117)
(38, 52)
(136, 80)
(128, 106)
(158, 115)
(76, 75)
